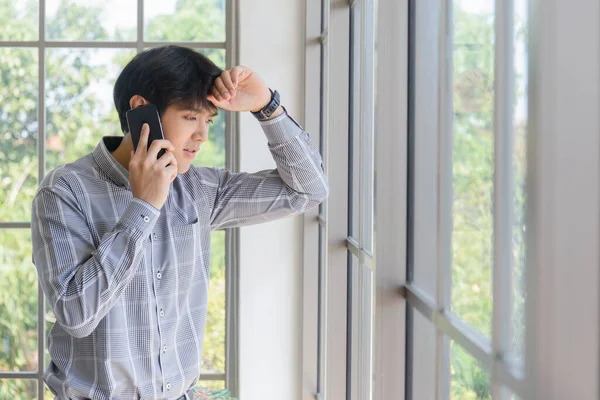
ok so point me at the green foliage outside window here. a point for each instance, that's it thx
(473, 191)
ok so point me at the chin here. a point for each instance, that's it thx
(184, 169)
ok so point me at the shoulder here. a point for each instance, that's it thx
(65, 177)
(208, 176)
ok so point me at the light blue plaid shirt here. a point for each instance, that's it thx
(128, 283)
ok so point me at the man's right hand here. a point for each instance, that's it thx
(151, 178)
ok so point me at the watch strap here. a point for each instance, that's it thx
(270, 108)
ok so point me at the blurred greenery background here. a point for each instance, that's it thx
(473, 185)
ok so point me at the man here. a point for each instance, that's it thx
(121, 239)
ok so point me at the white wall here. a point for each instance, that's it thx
(272, 44)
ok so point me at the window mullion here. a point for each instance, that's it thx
(322, 334)
(140, 25)
(41, 329)
(444, 261)
(503, 188)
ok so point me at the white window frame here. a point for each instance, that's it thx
(563, 221)
(435, 304)
(562, 350)
(391, 134)
(230, 45)
(328, 371)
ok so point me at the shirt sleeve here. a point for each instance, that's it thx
(81, 281)
(296, 185)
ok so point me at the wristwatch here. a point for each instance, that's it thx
(270, 108)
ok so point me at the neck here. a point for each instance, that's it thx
(123, 153)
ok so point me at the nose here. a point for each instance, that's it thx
(200, 135)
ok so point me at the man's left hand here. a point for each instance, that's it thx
(240, 89)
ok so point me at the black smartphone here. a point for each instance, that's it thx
(148, 114)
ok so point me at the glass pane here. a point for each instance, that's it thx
(468, 379)
(211, 384)
(184, 20)
(212, 153)
(18, 389)
(19, 299)
(520, 167)
(19, 20)
(19, 131)
(473, 162)
(423, 358)
(213, 357)
(79, 102)
(91, 20)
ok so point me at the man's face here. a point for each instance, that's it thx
(187, 130)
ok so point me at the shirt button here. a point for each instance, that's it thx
(164, 348)
(162, 313)
(146, 218)
(154, 236)
(159, 275)
(168, 386)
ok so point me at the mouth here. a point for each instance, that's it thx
(191, 153)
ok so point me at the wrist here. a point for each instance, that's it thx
(264, 102)
(269, 109)
(275, 114)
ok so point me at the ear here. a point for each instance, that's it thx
(137, 101)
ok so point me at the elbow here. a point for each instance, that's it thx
(73, 322)
(79, 332)
(320, 195)
(301, 202)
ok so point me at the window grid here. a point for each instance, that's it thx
(445, 131)
(352, 316)
(503, 188)
(359, 369)
(321, 386)
(409, 342)
(42, 44)
(493, 354)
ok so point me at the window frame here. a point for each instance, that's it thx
(561, 346)
(436, 306)
(338, 346)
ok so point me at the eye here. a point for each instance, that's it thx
(190, 118)
(210, 122)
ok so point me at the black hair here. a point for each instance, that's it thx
(165, 76)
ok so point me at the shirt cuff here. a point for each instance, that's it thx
(139, 217)
(281, 128)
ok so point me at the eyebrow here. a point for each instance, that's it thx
(199, 111)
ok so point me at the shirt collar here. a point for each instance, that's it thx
(107, 163)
